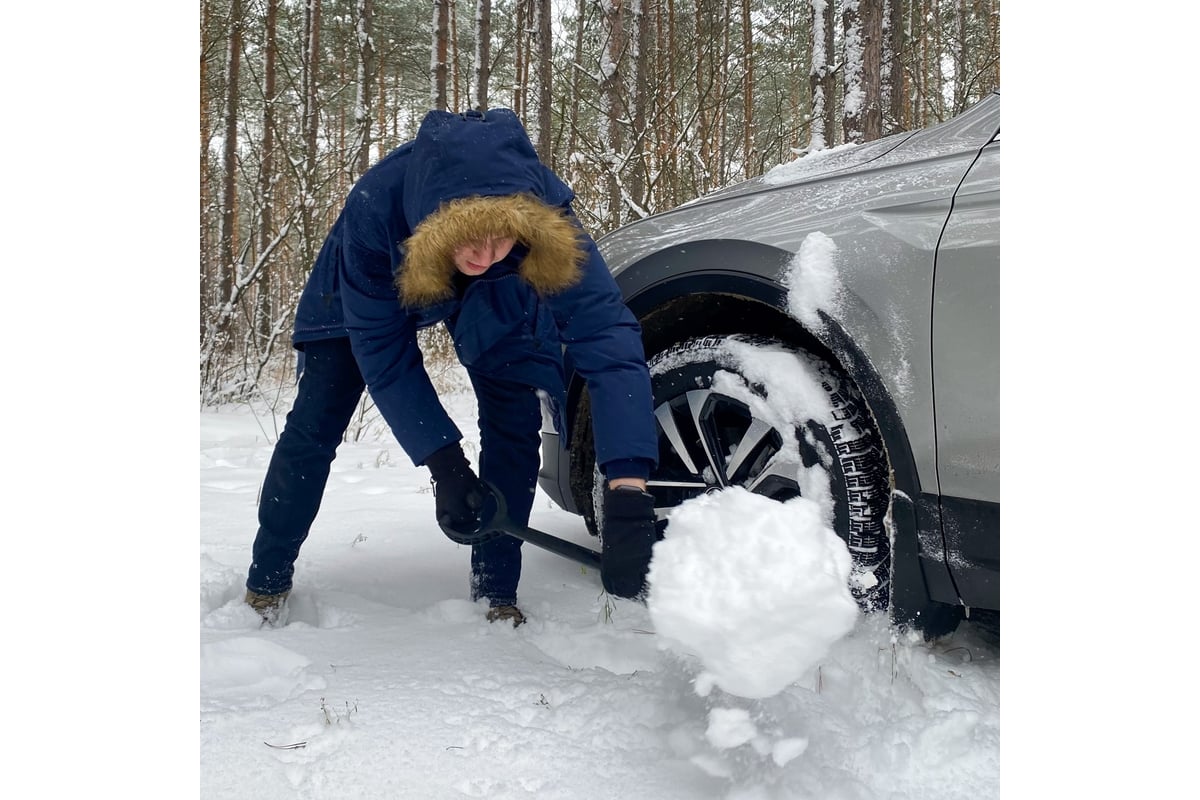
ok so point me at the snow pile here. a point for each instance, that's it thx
(730, 728)
(812, 163)
(757, 590)
(245, 672)
(812, 281)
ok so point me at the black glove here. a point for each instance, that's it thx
(458, 493)
(627, 536)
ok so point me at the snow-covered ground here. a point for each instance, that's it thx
(386, 682)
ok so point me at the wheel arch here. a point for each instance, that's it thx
(732, 286)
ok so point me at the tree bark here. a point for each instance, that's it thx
(640, 93)
(703, 79)
(266, 177)
(853, 95)
(749, 154)
(992, 74)
(437, 59)
(520, 70)
(206, 47)
(483, 53)
(228, 243)
(939, 74)
(310, 82)
(611, 140)
(545, 50)
(670, 110)
(721, 96)
(872, 69)
(366, 79)
(581, 7)
(897, 86)
(821, 77)
(381, 103)
(454, 78)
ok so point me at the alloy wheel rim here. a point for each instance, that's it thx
(710, 441)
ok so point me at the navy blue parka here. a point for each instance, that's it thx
(502, 325)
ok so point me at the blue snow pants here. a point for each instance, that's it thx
(328, 393)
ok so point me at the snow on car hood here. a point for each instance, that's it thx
(811, 165)
(971, 129)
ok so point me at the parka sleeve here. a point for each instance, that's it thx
(604, 345)
(383, 336)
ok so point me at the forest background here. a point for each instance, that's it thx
(639, 105)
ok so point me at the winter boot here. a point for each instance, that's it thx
(269, 606)
(506, 612)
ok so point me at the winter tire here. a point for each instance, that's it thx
(781, 422)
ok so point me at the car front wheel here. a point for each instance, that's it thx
(781, 422)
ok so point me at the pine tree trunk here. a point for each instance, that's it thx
(576, 80)
(829, 81)
(639, 94)
(675, 124)
(853, 97)
(344, 164)
(822, 77)
(703, 79)
(939, 73)
(311, 68)
(545, 51)
(872, 68)
(897, 86)
(931, 64)
(794, 129)
(722, 93)
(437, 60)
(520, 56)
(366, 78)
(454, 73)
(228, 243)
(206, 47)
(916, 64)
(266, 176)
(381, 103)
(961, 57)
(749, 153)
(991, 12)
(611, 140)
(483, 53)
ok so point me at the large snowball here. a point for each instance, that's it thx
(754, 588)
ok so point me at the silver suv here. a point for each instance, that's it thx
(874, 270)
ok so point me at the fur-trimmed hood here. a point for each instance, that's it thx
(475, 175)
(553, 241)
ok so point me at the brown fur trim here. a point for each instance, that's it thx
(555, 257)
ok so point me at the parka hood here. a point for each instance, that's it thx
(473, 175)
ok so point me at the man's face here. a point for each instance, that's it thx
(477, 257)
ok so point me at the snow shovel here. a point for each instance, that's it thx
(494, 521)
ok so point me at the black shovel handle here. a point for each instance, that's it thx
(494, 521)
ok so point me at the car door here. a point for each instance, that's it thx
(966, 377)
